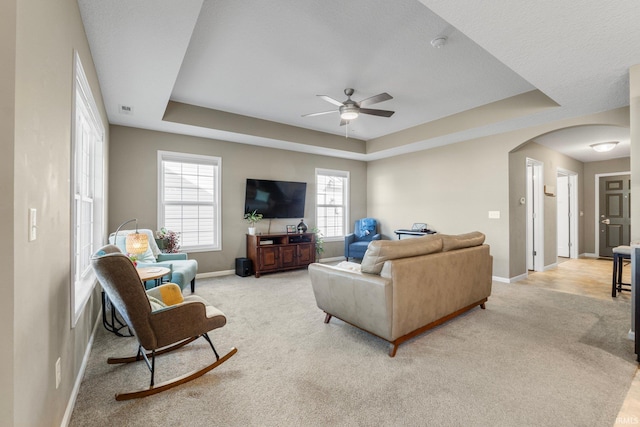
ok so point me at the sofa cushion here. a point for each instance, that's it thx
(380, 251)
(460, 241)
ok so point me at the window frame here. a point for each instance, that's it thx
(200, 159)
(345, 205)
(83, 282)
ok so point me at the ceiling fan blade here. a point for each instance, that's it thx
(331, 100)
(383, 113)
(375, 99)
(319, 114)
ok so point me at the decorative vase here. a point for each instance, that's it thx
(302, 227)
(252, 231)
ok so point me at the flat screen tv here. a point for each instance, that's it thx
(275, 199)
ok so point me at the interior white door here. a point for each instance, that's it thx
(564, 229)
(535, 215)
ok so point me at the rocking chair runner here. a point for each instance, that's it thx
(175, 321)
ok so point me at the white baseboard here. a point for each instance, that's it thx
(517, 278)
(589, 255)
(215, 274)
(550, 266)
(500, 279)
(230, 272)
(76, 386)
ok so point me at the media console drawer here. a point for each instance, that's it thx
(279, 252)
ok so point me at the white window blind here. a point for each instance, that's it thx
(332, 203)
(189, 199)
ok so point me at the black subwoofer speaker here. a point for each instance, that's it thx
(244, 267)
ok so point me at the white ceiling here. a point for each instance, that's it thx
(269, 60)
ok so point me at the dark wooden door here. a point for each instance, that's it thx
(614, 213)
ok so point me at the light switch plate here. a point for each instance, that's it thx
(32, 224)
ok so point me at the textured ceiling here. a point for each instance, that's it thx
(269, 60)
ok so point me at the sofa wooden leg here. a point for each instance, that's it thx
(327, 318)
(392, 349)
(482, 306)
(193, 285)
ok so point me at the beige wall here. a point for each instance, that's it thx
(7, 133)
(451, 188)
(133, 185)
(552, 161)
(589, 192)
(454, 187)
(46, 34)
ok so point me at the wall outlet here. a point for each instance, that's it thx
(58, 373)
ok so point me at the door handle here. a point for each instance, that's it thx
(606, 221)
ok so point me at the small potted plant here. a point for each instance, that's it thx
(167, 241)
(252, 218)
(319, 242)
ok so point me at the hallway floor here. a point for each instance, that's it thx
(591, 277)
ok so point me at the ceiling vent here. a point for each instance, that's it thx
(125, 109)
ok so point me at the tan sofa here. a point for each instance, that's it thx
(405, 287)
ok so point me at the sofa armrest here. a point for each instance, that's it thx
(172, 257)
(362, 299)
(376, 236)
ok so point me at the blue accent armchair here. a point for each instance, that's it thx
(183, 270)
(356, 243)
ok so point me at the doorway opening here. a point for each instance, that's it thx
(535, 215)
(567, 212)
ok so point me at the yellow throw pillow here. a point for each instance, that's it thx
(171, 295)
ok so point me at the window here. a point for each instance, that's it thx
(189, 199)
(87, 186)
(332, 203)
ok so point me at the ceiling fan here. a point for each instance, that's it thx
(350, 109)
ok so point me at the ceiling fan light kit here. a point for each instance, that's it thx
(350, 110)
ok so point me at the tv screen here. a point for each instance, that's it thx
(275, 199)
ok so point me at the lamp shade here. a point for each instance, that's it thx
(137, 243)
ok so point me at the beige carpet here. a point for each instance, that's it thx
(533, 357)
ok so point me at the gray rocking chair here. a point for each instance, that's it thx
(161, 319)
